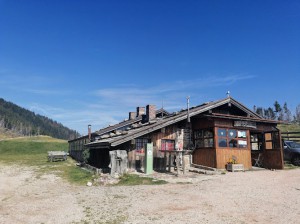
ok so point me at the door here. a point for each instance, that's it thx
(273, 156)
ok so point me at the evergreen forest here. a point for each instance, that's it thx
(26, 123)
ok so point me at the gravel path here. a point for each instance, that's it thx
(244, 197)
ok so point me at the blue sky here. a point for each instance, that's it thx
(91, 62)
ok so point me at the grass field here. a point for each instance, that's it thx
(32, 151)
(289, 127)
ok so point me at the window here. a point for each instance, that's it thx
(140, 144)
(256, 141)
(167, 144)
(204, 138)
(231, 138)
(222, 132)
(276, 140)
(272, 140)
(232, 133)
(222, 137)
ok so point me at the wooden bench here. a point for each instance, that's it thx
(57, 156)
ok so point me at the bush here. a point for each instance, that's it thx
(86, 155)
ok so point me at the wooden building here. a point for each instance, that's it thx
(215, 132)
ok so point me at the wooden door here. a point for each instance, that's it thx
(273, 155)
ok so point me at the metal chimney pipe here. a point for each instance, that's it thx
(188, 109)
(90, 131)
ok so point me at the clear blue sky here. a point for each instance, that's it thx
(91, 62)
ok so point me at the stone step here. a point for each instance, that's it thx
(204, 171)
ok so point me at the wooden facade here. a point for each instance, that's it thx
(218, 133)
(218, 157)
(214, 156)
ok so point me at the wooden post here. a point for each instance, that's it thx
(183, 162)
(170, 162)
(177, 162)
(165, 161)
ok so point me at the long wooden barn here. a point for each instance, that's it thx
(215, 132)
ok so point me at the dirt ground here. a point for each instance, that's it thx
(242, 197)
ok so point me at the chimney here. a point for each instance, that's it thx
(90, 131)
(150, 112)
(140, 111)
(132, 115)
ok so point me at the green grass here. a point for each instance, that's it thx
(32, 151)
(134, 179)
(289, 127)
(28, 152)
(288, 166)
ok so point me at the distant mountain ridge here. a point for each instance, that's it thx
(25, 122)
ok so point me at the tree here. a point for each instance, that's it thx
(269, 113)
(260, 111)
(278, 111)
(25, 122)
(297, 114)
(287, 113)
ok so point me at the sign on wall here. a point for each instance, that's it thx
(246, 124)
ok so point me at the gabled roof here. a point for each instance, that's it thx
(122, 124)
(119, 125)
(115, 139)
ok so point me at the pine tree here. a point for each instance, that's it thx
(25, 122)
(278, 111)
(297, 115)
(260, 111)
(287, 113)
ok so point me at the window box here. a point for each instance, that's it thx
(235, 167)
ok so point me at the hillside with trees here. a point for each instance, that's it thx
(15, 119)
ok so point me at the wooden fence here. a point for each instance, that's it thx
(291, 136)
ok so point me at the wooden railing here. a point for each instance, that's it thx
(291, 136)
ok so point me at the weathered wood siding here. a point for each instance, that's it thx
(76, 148)
(224, 155)
(202, 123)
(205, 157)
(165, 133)
(242, 155)
(273, 159)
(136, 160)
(223, 123)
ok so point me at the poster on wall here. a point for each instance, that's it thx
(241, 134)
(242, 144)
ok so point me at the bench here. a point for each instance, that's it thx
(57, 156)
